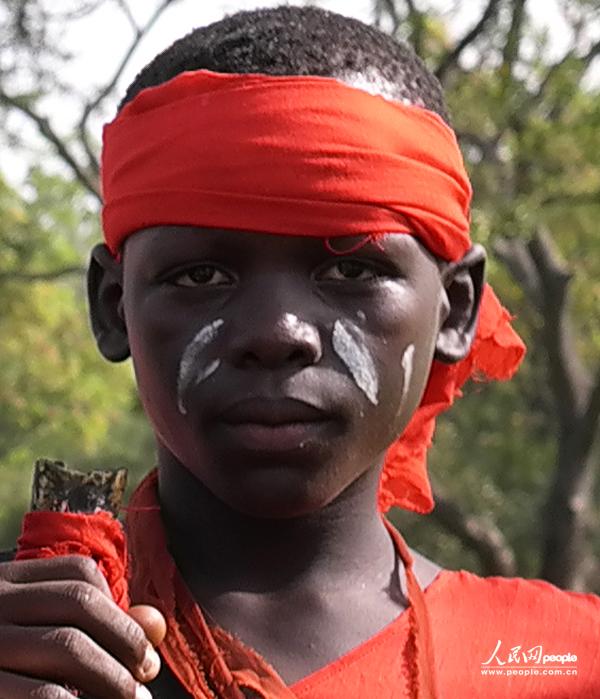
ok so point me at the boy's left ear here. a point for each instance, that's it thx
(105, 297)
(463, 282)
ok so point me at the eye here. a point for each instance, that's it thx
(201, 275)
(351, 270)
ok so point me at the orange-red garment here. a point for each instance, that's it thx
(470, 615)
(464, 638)
(445, 646)
(99, 536)
(307, 156)
(201, 657)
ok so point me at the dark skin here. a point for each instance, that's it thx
(276, 544)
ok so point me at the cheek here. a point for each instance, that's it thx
(195, 366)
(154, 353)
(408, 326)
(348, 342)
(157, 352)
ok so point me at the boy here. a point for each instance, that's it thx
(292, 381)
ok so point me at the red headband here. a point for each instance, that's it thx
(306, 156)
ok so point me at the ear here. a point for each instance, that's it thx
(105, 296)
(463, 282)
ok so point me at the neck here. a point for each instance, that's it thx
(342, 545)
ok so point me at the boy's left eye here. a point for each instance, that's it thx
(200, 275)
(350, 270)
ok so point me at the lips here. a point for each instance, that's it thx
(269, 424)
(271, 411)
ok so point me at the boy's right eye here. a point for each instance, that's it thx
(200, 275)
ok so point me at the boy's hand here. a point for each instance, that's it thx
(59, 627)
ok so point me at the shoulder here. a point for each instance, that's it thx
(516, 628)
(513, 601)
(504, 594)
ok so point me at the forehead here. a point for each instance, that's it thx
(177, 244)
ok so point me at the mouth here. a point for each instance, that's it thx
(275, 425)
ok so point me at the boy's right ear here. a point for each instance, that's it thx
(105, 296)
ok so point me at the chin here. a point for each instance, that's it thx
(278, 494)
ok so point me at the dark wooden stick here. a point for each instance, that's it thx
(58, 488)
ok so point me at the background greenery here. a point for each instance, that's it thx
(514, 465)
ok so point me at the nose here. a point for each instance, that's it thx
(273, 340)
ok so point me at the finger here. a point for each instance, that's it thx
(19, 687)
(57, 568)
(152, 622)
(66, 656)
(84, 607)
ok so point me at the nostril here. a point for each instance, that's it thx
(302, 357)
(296, 356)
(273, 357)
(249, 360)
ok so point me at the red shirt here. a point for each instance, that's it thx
(496, 638)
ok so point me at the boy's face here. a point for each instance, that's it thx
(272, 369)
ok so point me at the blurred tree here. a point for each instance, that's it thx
(514, 465)
(31, 63)
(58, 398)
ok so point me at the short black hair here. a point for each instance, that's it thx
(298, 40)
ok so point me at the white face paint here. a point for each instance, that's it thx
(349, 345)
(407, 365)
(301, 330)
(189, 371)
(290, 321)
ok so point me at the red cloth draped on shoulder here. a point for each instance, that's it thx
(199, 657)
(203, 657)
(312, 157)
(443, 646)
(496, 638)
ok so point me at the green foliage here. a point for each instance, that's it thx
(58, 397)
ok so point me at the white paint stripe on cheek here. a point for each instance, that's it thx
(207, 371)
(407, 365)
(290, 320)
(349, 345)
(188, 365)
